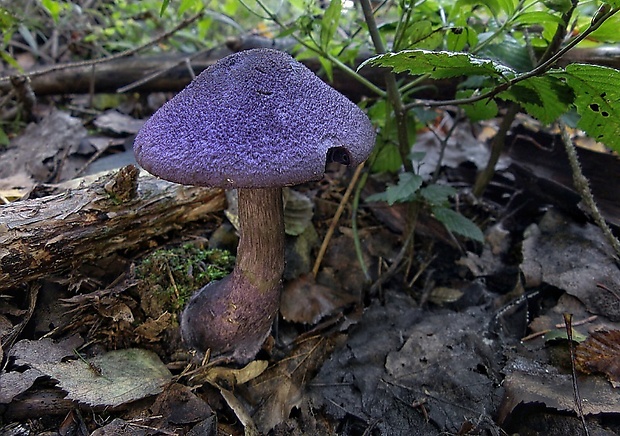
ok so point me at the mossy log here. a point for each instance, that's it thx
(45, 236)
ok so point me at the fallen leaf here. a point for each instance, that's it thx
(531, 382)
(600, 353)
(305, 301)
(224, 377)
(151, 329)
(118, 123)
(179, 405)
(575, 258)
(240, 412)
(110, 379)
(15, 383)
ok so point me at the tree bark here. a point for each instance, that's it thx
(48, 235)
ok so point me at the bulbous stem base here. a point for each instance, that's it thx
(232, 317)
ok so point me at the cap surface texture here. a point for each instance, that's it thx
(255, 119)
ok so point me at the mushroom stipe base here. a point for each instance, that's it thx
(233, 316)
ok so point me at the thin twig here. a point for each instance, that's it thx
(568, 317)
(356, 237)
(334, 223)
(80, 64)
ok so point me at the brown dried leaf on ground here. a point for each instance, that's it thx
(575, 258)
(529, 382)
(177, 404)
(118, 123)
(281, 387)
(306, 301)
(600, 353)
(40, 151)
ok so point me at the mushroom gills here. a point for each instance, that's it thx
(339, 155)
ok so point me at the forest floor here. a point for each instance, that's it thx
(443, 336)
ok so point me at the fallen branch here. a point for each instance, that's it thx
(172, 72)
(45, 236)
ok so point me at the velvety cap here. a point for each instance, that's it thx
(255, 119)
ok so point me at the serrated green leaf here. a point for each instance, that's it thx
(421, 35)
(439, 64)
(494, 6)
(608, 31)
(597, 99)
(408, 184)
(417, 32)
(405, 190)
(546, 98)
(458, 37)
(539, 17)
(458, 223)
(509, 52)
(330, 21)
(480, 110)
(437, 195)
(379, 196)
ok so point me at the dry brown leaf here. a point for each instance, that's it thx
(305, 301)
(151, 329)
(224, 377)
(600, 353)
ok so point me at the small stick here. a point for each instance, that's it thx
(568, 317)
(332, 227)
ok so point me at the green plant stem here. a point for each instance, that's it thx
(583, 188)
(315, 48)
(352, 73)
(393, 94)
(410, 85)
(403, 23)
(497, 145)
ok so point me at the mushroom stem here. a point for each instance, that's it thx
(261, 224)
(233, 316)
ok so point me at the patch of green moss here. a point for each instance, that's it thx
(169, 276)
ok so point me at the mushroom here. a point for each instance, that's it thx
(256, 120)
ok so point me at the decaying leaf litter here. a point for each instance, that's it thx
(458, 337)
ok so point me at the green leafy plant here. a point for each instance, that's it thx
(504, 50)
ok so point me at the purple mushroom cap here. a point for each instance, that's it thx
(255, 119)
